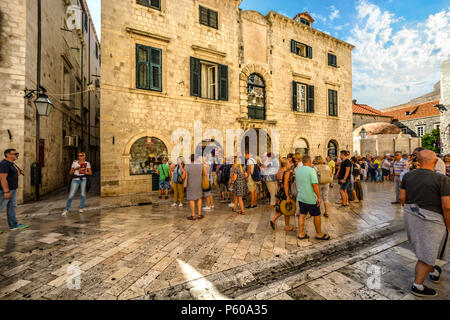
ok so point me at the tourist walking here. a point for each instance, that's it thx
(270, 169)
(251, 164)
(164, 179)
(9, 182)
(309, 198)
(178, 177)
(325, 176)
(223, 178)
(79, 171)
(239, 185)
(385, 167)
(207, 194)
(194, 192)
(399, 166)
(345, 178)
(447, 164)
(378, 170)
(425, 195)
(332, 166)
(355, 172)
(284, 188)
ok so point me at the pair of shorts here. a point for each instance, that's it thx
(348, 185)
(385, 172)
(312, 209)
(251, 185)
(223, 187)
(164, 185)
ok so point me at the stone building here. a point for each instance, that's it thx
(166, 68)
(416, 120)
(363, 114)
(70, 64)
(383, 138)
(445, 102)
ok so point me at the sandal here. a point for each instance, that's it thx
(326, 215)
(325, 237)
(191, 218)
(291, 229)
(303, 238)
(241, 213)
(200, 217)
(272, 224)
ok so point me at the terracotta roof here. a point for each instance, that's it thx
(422, 110)
(365, 109)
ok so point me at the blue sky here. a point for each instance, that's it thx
(400, 44)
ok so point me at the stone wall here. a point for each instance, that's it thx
(247, 42)
(445, 100)
(411, 125)
(380, 145)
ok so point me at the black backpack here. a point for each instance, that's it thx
(225, 175)
(256, 175)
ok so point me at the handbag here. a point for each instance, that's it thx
(281, 194)
(205, 183)
(179, 177)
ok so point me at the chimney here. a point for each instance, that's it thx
(354, 101)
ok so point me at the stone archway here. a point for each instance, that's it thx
(246, 72)
(301, 145)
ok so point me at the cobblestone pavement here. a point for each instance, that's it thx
(124, 253)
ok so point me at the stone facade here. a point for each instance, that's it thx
(18, 69)
(380, 145)
(445, 100)
(362, 119)
(411, 126)
(247, 43)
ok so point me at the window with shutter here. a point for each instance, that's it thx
(294, 96)
(311, 99)
(209, 17)
(301, 49)
(155, 4)
(301, 97)
(148, 68)
(223, 82)
(209, 80)
(332, 103)
(332, 60)
(195, 77)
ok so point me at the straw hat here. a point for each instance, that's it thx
(288, 208)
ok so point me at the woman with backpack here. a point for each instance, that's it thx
(178, 177)
(325, 177)
(284, 190)
(356, 173)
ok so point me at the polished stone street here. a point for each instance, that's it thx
(127, 253)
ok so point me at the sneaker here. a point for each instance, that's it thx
(19, 227)
(231, 205)
(207, 208)
(426, 292)
(65, 213)
(339, 202)
(81, 211)
(212, 207)
(255, 206)
(180, 205)
(433, 278)
(248, 207)
(174, 205)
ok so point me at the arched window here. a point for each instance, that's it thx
(256, 93)
(332, 149)
(146, 155)
(301, 146)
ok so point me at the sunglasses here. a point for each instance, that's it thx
(16, 154)
(82, 155)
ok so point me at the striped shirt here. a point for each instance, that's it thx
(399, 166)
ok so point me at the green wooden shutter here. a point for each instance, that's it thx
(294, 46)
(156, 3)
(155, 69)
(213, 19)
(142, 67)
(336, 103)
(294, 96)
(203, 15)
(196, 77)
(311, 99)
(223, 82)
(309, 52)
(330, 102)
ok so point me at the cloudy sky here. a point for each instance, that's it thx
(400, 44)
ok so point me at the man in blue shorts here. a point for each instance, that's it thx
(308, 196)
(345, 178)
(164, 179)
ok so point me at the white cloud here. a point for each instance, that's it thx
(391, 67)
(334, 14)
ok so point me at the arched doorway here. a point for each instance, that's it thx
(256, 95)
(146, 154)
(301, 146)
(332, 149)
(257, 142)
(211, 149)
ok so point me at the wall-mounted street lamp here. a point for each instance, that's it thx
(363, 133)
(43, 105)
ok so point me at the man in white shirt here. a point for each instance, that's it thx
(251, 164)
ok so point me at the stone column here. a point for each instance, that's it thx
(445, 100)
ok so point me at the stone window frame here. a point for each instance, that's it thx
(418, 127)
(333, 105)
(310, 91)
(150, 74)
(208, 11)
(330, 62)
(437, 126)
(243, 77)
(265, 95)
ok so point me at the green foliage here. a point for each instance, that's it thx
(429, 140)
